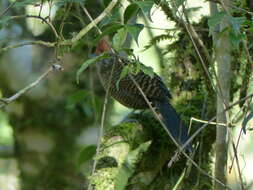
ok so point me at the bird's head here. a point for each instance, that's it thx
(102, 46)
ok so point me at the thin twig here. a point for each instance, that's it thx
(104, 107)
(208, 122)
(237, 162)
(66, 13)
(237, 144)
(94, 22)
(41, 18)
(211, 120)
(39, 42)
(232, 6)
(5, 101)
(7, 9)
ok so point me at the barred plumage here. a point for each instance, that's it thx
(128, 94)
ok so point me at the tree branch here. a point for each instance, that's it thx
(39, 42)
(5, 101)
(106, 11)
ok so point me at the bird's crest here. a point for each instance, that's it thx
(102, 46)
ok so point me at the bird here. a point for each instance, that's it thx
(125, 91)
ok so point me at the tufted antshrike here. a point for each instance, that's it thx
(128, 94)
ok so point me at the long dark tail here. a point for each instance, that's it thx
(173, 123)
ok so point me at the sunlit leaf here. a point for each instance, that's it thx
(145, 7)
(134, 30)
(119, 38)
(128, 167)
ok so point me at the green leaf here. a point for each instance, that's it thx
(86, 154)
(123, 74)
(145, 7)
(110, 29)
(134, 30)
(214, 21)
(147, 70)
(113, 19)
(130, 11)
(119, 38)
(87, 63)
(128, 51)
(235, 39)
(236, 23)
(128, 167)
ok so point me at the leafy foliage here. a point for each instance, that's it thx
(121, 33)
(87, 63)
(214, 22)
(130, 12)
(86, 154)
(236, 23)
(119, 38)
(134, 30)
(134, 8)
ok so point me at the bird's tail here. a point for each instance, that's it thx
(173, 123)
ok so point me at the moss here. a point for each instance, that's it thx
(104, 179)
(152, 171)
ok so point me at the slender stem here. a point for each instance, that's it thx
(6, 101)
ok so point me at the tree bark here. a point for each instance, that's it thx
(223, 60)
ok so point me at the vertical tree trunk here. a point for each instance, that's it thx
(223, 60)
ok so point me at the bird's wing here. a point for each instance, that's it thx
(152, 87)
